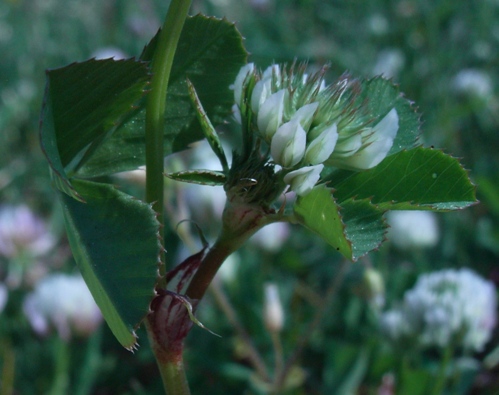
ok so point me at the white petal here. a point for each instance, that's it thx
(288, 144)
(270, 114)
(236, 113)
(238, 83)
(272, 70)
(378, 143)
(322, 147)
(305, 114)
(303, 180)
(261, 92)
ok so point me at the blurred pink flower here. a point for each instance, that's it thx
(63, 302)
(21, 232)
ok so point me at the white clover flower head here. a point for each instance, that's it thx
(273, 313)
(447, 307)
(308, 123)
(63, 302)
(21, 231)
(412, 229)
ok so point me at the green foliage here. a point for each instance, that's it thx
(354, 228)
(93, 125)
(420, 178)
(209, 54)
(115, 242)
(349, 215)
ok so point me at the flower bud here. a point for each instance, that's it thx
(302, 181)
(239, 82)
(288, 144)
(270, 114)
(376, 143)
(273, 313)
(305, 115)
(321, 148)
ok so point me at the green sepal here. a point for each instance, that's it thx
(208, 130)
(115, 241)
(203, 177)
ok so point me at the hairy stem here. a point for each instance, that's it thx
(155, 109)
(172, 369)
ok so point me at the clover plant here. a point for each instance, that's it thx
(330, 156)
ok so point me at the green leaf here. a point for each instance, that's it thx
(354, 228)
(83, 104)
(203, 177)
(210, 54)
(420, 179)
(114, 239)
(379, 96)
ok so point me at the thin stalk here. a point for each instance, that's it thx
(314, 324)
(253, 355)
(279, 361)
(60, 382)
(441, 378)
(155, 108)
(173, 375)
(8, 369)
(172, 369)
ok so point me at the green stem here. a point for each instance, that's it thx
(173, 375)
(172, 370)
(61, 376)
(441, 379)
(155, 109)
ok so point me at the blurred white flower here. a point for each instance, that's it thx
(4, 295)
(109, 53)
(271, 237)
(412, 228)
(22, 232)
(473, 82)
(389, 63)
(137, 176)
(63, 302)
(273, 313)
(378, 24)
(449, 307)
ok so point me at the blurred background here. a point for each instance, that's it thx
(416, 317)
